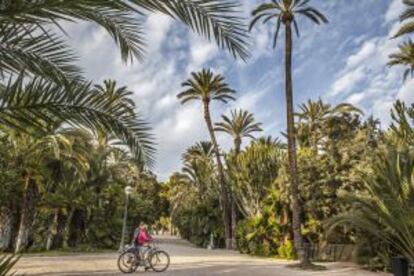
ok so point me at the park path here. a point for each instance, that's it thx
(185, 260)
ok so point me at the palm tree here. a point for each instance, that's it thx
(206, 87)
(404, 57)
(117, 95)
(285, 12)
(199, 166)
(313, 117)
(240, 125)
(34, 155)
(402, 129)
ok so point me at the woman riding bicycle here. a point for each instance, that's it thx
(143, 254)
(141, 235)
(141, 239)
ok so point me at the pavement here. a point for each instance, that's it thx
(186, 260)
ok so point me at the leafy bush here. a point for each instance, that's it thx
(196, 223)
(385, 211)
(258, 236)
(287, 251)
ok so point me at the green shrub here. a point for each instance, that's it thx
(258, 236)
(287, 251)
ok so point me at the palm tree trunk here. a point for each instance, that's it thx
(67, 227)
(60, 230)
(296, 204)
(6, 227)
(27, 215)
(222, 180)
(237, 145)
(52, 230)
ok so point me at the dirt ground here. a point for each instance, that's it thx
(185, 260)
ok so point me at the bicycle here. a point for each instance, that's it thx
(151, 257)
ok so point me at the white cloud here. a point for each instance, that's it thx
(348, 81)
(366, 51)
(172, 52)
(406, 93)
(394, 11)
(366, 80)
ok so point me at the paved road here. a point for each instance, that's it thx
(185, 260)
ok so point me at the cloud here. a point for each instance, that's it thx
(394, 11)
(342, 61)
(366, 80)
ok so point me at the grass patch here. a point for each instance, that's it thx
(36, 252)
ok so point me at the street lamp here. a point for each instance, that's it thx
(128, 191)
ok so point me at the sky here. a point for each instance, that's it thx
(343, 61)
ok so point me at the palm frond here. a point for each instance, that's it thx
(408, 14)
(36, 52)
(214, 19)
(404, 57)
(386, 210)
(7, 262)
(39, 102)
(116, 17)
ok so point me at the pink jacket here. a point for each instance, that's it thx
(143, 237)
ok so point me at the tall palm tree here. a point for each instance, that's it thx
(205, 86)
(240, 125)
(404, 57)
(117, 95)
(285, 12)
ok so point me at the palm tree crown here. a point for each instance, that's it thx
(285, 11)
(241, 124)
(314, 116)
(206, 86)
(117, 95)
(404, 57)
(200, 151)
(315, 113)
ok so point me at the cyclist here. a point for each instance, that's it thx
(141, 238)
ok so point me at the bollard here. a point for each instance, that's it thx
(211, 245)
(400, 266)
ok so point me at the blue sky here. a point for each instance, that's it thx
(343, 61)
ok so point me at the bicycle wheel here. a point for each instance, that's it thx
(127, 262)
(159, 261)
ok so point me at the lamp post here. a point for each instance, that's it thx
(128, 191)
